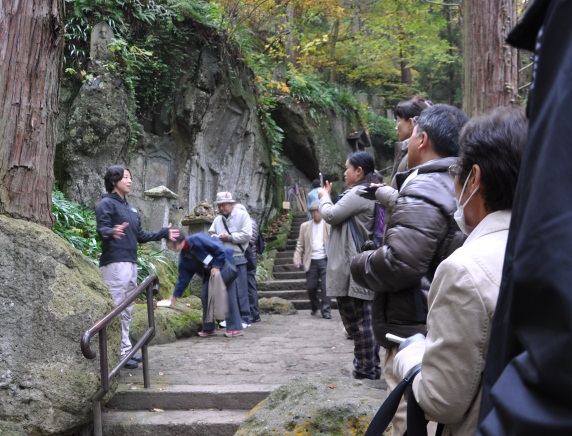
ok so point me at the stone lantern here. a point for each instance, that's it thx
(159, 216)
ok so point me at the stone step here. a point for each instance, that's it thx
(287, 275)
(288, 294)
(284, 254)
(282, 285)
(286, 267)
(187, 397)
(181, 409)
(283, 260)
(172, 422)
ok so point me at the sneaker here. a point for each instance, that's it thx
(313, 312)
(244, 325)
(257, 320)
(222, 324)
(131, 364)
(327, 316)
(233, 333)
(205, 333)
(137, 359)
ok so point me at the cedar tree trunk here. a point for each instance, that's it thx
(31, 49)
(490, 70)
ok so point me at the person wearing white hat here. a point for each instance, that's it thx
(234, 228)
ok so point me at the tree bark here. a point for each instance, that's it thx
(490, 70)
(31, 49)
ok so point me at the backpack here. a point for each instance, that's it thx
(376, 237)
(260, 243)
(378, 226)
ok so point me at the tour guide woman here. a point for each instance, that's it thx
(354, 302)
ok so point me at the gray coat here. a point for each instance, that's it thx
(342, 246)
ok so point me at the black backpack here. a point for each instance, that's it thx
(260, 243)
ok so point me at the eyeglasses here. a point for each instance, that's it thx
(455, 170)
(415, 120)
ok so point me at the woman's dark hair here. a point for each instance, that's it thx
(412, 108)
(113, 175)
(495, 142)
(364, 160)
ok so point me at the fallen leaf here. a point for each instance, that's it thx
(331, 386)
(161, 373)
(156, 410)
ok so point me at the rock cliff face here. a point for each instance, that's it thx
(50, 296)
(206, 138)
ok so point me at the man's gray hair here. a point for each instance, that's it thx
(443, 124)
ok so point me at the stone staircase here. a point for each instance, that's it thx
(206, 409)
(289, 282)
(185, 410)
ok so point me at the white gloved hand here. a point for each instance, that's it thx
(407, 358)
(386, 196)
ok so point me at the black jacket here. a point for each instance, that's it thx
(112, 210)
(527, 382)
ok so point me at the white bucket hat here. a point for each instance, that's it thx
(224, 197)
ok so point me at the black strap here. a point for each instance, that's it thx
(228, 231)
(416, 422)
(387, 410)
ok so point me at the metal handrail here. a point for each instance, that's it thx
(150, 283)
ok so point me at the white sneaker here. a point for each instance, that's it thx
(222, 324)
(244, 325)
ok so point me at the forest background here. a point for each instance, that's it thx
(329, 55)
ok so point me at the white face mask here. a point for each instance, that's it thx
(459, 216)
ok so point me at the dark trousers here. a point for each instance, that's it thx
(252, 290)
(242, 289)
(316, 278)
(356, 316)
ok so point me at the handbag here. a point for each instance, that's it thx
(250, 265)
(228, 272)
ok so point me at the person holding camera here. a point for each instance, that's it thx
(352, 218)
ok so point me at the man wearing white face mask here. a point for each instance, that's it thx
(420, 233)
(465, 289)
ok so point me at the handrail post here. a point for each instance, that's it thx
(97, 424)
(151, 285)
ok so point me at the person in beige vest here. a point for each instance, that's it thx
(312, 253)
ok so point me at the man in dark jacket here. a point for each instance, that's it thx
(421, 232)
(204, 255)
(119, 226)
(527, 383)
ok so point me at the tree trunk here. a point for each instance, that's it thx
(333, 42)
(489, 63)
(31, 49)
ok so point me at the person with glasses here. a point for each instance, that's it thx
(464, 291)
(419, 234)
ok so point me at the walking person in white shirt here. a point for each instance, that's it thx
(311, 253)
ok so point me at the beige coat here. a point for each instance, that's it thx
(303, 253)
(462, 302)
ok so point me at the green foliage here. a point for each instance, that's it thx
(381, 126)
(78, 226)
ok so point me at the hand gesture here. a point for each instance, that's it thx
(118, 230)
(173, 233)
